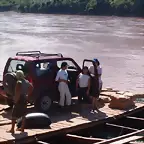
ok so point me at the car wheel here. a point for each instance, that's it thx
(43, 103)
(9, 102)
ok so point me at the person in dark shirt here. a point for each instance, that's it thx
(23, 90)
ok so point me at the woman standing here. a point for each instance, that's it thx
(97, 86)
(23, 90)
(83, 85)
(99, 71)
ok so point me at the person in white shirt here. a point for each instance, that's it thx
(62, 78)
(96, 89)
(83, 85)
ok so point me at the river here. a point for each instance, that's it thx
(117, 42)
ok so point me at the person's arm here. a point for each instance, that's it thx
(57, 77)
(17, 92)
(99, 71)
(77, 83)
(30, 90)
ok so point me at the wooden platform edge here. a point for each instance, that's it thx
(79, 127)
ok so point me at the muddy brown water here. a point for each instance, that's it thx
(117, 42)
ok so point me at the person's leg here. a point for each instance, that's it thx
(79, 95)
(23, 124)
(86, 97)
(68, 95)
(14, 117)
(62, 91)
(12, 126)
(100, 87)
(93, 103)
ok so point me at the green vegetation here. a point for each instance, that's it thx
(96, 7)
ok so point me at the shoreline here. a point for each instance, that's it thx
(76, 14)
(118, 8)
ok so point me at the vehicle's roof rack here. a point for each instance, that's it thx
(36, 54)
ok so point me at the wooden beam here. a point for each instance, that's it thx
(135, 118)
(82, 139)
(124, 127)
(136, 143)
(126, 140)
(139, 132)
(41, 142)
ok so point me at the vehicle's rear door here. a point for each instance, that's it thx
(94, 77)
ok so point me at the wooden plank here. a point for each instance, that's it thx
(135, 118)
(6, 122)
(42, 142)
(3, 140)
(17, 136)
(136, 142)
(119, 126)
(126, 140)
(44, 131)
(82, 139)
(9, 136)
(139, 132)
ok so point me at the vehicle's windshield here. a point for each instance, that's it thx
(16, 65)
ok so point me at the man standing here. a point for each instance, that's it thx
(62, 78)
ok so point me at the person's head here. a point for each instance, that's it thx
(64, 65)
(85, 70)
(97, 63)
(20, 75)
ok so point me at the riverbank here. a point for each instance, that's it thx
(85, 7)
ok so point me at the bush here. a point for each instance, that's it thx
(99, 7)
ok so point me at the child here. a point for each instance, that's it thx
(83, 85)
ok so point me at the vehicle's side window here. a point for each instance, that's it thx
(42, 67)
(71, 65)
(16, 65)
(88, 64)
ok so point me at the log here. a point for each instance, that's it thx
(126, 140)
(41, 142)
(135, 118)
(124, 127)
(81, 139)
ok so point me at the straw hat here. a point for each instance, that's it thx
(20, 74)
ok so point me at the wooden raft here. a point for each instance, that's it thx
(79, 117)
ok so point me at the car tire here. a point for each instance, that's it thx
(43, 103)
(9, 102)
(9, 83)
